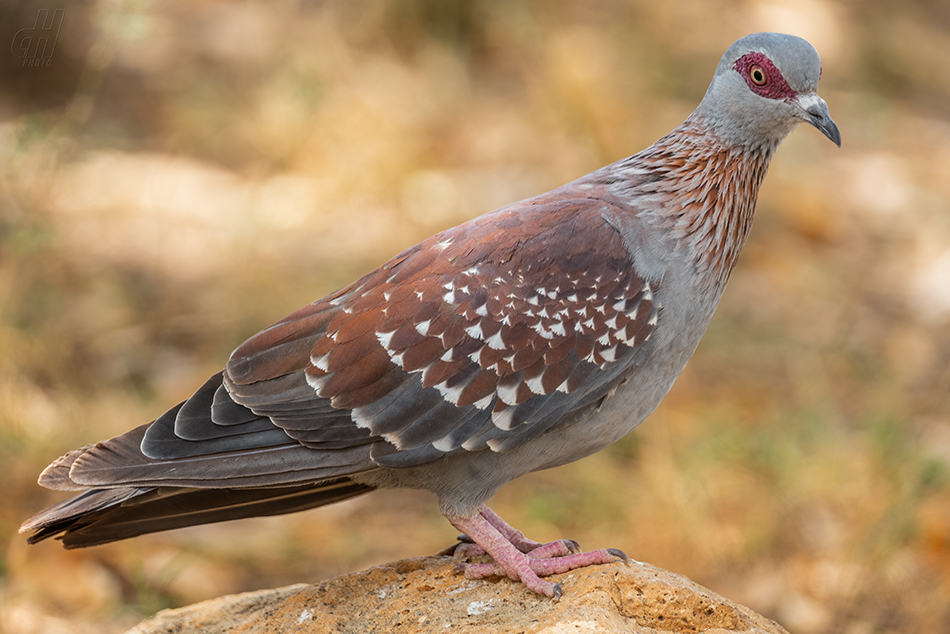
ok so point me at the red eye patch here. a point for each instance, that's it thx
(752, 65)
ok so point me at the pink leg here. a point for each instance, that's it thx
(517, 539)
(543, 560)
(549, 566)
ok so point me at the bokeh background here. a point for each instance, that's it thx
(184, 173)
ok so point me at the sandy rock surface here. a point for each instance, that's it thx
(423, 595)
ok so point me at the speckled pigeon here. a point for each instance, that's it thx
(524, 339)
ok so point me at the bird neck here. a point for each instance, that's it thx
(702, 193)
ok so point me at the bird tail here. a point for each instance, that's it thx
(100, 516)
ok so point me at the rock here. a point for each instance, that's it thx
(423, 595)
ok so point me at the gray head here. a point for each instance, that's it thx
(764, 86)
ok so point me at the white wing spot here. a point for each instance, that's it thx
(541, 330)
(629, 335)
(423, 327)
(484, 402)
(535, 384)
(322, 362)
(316, 382)
(450, 394)
(503, 419)
(509, 394)
(495, 342)
(385, 338)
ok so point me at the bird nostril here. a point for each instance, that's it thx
(815, 112)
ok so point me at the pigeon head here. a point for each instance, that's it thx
(764, 86)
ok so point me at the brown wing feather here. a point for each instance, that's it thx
(479, 317)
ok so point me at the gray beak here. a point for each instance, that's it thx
(814, 110)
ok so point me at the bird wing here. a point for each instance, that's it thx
(482, 336)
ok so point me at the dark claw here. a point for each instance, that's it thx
(448, 551)
(557, 592)
(573, 546)
(619, 554)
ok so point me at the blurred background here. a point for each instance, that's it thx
(177, 175)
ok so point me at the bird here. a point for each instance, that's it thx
(521, 340)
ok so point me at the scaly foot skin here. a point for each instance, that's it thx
(557, 548)
(520, 558)
(550, 565)
(468, 548)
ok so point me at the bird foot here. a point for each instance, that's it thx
(520, 558)
(532, 549)
(544, 566)
(468, 548)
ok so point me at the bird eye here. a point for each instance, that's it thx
(758, 75)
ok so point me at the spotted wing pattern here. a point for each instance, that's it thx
(481, 336)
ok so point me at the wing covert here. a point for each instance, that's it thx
(480, 336)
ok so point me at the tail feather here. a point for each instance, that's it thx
(56, 475)
(119, 462)
(100, 516)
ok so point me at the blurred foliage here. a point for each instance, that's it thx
(183, 174)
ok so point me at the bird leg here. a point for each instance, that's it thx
(504, 544)
(469, 548)
(518, 539)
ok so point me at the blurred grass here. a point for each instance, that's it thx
(183, 174)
